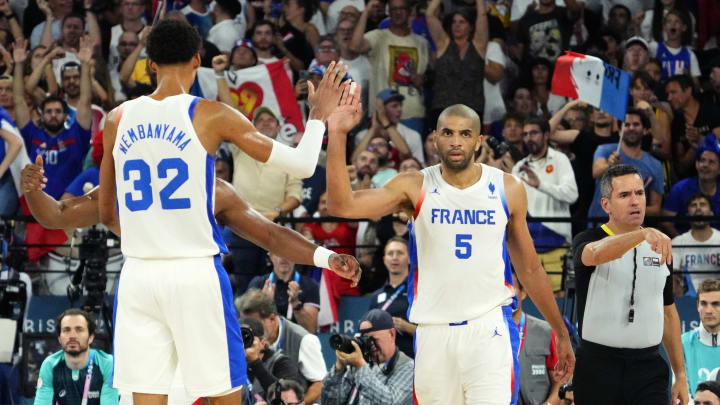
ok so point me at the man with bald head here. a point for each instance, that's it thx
(464, 217)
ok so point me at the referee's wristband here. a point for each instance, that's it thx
(321, 257)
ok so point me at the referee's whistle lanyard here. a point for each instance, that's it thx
(88, 377)
(631, 312)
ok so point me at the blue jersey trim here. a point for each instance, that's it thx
(514, 336)
(191, 109)
(209, 187)
(412, 273)
(236, 350)
(508, 270)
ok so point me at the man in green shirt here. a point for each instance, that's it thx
(76, 375)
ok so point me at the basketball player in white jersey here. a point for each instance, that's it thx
(174, 302)
(468, 222)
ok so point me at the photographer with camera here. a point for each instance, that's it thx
(76, 374)
(264, 365)
(369, 369)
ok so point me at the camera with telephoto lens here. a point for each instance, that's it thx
(498, 147)
(343, 343)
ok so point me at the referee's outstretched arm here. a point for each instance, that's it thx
(613, 247)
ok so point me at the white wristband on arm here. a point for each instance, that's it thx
(301, 160)
(321, 257)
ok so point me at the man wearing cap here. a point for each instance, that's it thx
(387, 381)
(268, 190)
(243, 55)
(386, 123)
(707, 181)
(264, 365)
(636, 54)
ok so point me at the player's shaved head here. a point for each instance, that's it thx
(463, 111)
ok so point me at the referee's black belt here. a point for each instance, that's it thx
(598, 349)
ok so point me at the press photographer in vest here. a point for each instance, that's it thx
(377, 373)
(625, 304)
(537, 356)
(76, 375)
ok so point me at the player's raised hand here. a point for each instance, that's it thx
(348, 114)
(32, 177)
(566, 359)
(346, 266)
(327, 96)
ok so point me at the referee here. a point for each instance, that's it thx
(625, 304)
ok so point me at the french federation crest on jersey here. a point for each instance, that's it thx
(651, 261)
(491, 187)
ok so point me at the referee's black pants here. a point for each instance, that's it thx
(608, 375)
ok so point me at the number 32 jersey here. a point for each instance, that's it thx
(165, 181)
(459, 263)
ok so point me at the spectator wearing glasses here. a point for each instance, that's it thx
(132, 20)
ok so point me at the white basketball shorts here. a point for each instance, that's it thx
(471, 362)
(176, 313)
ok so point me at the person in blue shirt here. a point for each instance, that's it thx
(76, 374)
(701, 346)
(63, 149)
(630, 153)
(707, 181)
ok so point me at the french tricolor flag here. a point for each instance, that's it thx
(593, 81)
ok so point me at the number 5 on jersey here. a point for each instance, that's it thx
(143, 184)
(463, 247)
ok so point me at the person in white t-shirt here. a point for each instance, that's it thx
(494, 108)
(705, 260)
(226, 30)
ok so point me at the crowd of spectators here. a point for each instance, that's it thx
(64, 64)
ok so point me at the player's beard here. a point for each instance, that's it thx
(456, 165)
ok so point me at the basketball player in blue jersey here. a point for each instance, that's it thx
(174, 301)
(468, 222)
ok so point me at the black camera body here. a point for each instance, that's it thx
(247, 336)
(343, 343)
(499, 148)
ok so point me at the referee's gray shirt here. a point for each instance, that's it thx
(603, 295)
